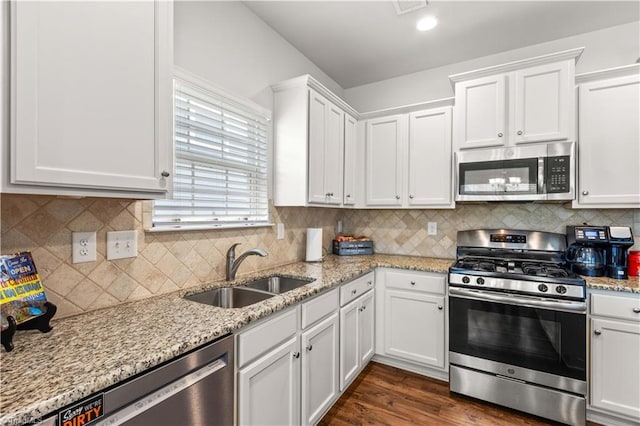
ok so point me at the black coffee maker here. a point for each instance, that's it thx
(620, 239)
(587, 250)
(597, 251)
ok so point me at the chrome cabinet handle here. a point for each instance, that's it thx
(519, 132)
(585, 192)
(440, 307)
(597, 332)
(499, 135)
(296, 355)
(309, 347)
(165, 174)
(636, 310)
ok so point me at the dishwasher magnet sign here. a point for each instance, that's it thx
(83, 413)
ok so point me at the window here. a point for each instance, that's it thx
(220, 173)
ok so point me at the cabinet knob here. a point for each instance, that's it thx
(597, 332)
(519, 132)
(440, 307)
(165, 174)
(369, 283)
(411, 196)
(360, 309)
(413, 283)
(331, 194)
(585, 192)
(348, 195)
(309, 347)
(364, 307)
(636, 310)
(499, 135)
(296, 355)
(354, 291)
(397, 197)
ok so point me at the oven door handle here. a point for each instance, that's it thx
(519, 300)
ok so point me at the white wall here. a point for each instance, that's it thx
(607, 48)
(227, 44)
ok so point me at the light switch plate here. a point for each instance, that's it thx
(122, 244)
(432, 228)
(83, 247)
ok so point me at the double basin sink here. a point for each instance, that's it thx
(249, 293)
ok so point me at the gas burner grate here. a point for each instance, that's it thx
(477, 265)
(544, 270)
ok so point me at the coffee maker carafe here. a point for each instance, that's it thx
(620, 240)
(587, 250)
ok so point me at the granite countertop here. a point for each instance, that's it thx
(89, 352)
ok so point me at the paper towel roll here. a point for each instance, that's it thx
(314, 244)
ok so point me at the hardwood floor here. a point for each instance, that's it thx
(384, 395)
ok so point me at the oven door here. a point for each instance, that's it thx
(524, 338)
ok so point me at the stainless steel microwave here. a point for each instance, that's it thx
(544, 171)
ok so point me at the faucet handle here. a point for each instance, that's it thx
(232, 249)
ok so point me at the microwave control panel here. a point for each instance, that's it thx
(558, 172)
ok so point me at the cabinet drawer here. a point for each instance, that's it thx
(424, 282)
(355, 288)
(623, 307)
(319, 308)
(263, 337)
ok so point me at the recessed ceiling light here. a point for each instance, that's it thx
(427, 23)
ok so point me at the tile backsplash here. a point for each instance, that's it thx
(169, 261)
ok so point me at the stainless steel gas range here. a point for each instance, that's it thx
(517, 323)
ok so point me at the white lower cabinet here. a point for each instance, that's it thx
(288, 365)
(319, 368)
(615, 355)
(411, 318)
(356, 337)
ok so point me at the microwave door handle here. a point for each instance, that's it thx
(541, 180)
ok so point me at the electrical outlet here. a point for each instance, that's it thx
(83, 248)
(432, 228)
(122, 244)
(339, 227)
(280, 231)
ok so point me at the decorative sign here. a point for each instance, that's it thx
(83, 413)
(21, 292)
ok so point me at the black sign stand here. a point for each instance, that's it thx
(40, 323)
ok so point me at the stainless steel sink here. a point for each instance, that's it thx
(230, 297)
(278, 284)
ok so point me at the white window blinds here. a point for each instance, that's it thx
(220, 173)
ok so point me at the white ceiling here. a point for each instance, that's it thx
(359, 42)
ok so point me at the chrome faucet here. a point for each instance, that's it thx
(233, 263)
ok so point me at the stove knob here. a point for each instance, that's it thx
(543, 288)
(465, 280)
(480, 281)
(561, 289)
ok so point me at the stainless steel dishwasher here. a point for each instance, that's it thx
(194, 389)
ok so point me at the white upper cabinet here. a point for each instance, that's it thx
(91, 98)
(520, 102)
(311, 125)
(326, 150)
(609, 134)
(430, 178)
(385, 157)
(350, 160)
(409, 160)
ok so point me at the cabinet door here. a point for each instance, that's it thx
(269, 388)
(615, 351)
(334, 155)
(544, 103)
(320, 368)
(87, 89)
(480, 113)
(366, 328)
(349, 344)
(318, 119)
(609, 150)
(430, 178)
(350, 161)
(386, 141)
(414, 327)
